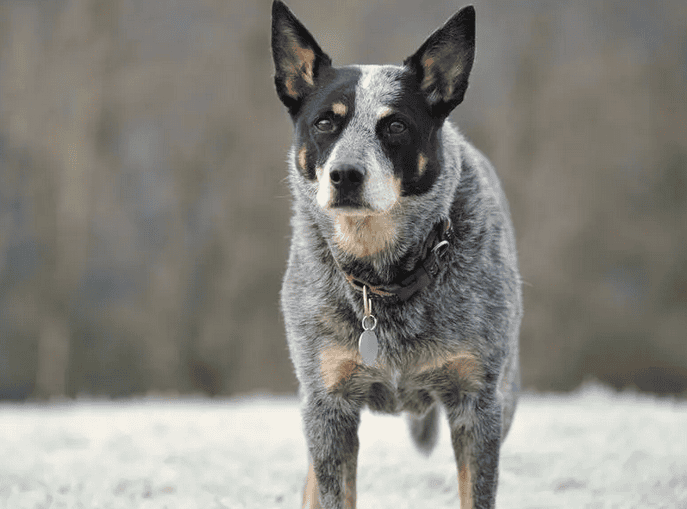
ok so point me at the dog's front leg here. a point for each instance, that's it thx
(332, 435)
(476, 442)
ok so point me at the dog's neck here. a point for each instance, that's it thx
(402, 277)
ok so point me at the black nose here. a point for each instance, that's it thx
(347, 177)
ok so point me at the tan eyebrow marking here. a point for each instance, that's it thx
(340, 109)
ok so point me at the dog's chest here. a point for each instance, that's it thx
(411, 386)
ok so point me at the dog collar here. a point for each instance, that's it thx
(408, 284)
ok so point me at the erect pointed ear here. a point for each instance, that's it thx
(298, 60)
(443, 63)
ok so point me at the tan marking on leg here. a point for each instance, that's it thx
(349, 492)
(340, 109)
(364, 235)
(311, 492)
(465, 487)
(464, 365)
(428, 365)
(337, 364)
(421, 164)
(303, 157)
(467, 366)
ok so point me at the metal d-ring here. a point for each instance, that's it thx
(374, 322)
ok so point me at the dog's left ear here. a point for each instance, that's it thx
(298, 60)
(442, 64)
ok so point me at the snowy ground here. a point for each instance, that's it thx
(590, 449)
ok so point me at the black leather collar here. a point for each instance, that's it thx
(409, 283)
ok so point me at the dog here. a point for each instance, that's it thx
(402, 291)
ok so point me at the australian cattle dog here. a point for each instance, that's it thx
(402, 291)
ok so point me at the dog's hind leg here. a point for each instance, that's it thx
(425, 430)
(332, 435)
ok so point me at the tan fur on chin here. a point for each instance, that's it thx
(364, 235)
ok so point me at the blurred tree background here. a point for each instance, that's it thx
(144, 214)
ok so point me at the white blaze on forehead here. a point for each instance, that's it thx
(378, 86)
(366, 77)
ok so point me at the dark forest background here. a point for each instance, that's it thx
(144, 213)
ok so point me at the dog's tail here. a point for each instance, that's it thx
(425, 430)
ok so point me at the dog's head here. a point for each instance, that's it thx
(366, 137)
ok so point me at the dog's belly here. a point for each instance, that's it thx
(384, 396)
(413, 387)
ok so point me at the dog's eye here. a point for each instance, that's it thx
(396, 127)
(325, 125)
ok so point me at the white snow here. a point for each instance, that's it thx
(592, 449)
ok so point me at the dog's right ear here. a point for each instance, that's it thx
(298, 60)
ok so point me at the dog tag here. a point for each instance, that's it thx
(368, 346)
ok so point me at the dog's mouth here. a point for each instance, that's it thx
(355, 209)
(360, 229)
(358, 203)
(347, 203)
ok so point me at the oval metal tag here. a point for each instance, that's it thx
(368, 346)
